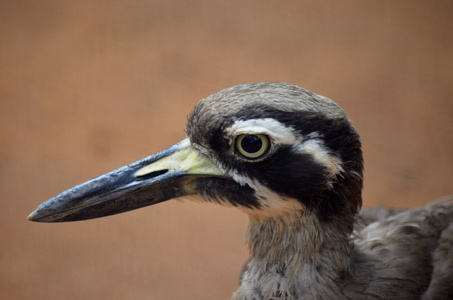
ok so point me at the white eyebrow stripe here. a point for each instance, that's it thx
(277, 131)
(319, 151)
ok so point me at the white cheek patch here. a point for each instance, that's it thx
(316, 149)
(242, 180)
(277, 131)
(271, 204)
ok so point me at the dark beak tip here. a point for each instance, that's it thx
(33, 217)
(39, 216)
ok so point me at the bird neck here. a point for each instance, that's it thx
(290, 254)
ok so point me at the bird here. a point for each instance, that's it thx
(292, 161)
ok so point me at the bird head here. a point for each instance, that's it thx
(270, 149)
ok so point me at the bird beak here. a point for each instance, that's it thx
(168, 174)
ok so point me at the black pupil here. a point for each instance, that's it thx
(251, 144)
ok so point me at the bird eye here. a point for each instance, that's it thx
(252, 146)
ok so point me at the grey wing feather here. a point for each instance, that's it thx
(404, 254)
(381, 213)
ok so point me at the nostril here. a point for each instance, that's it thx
(151, 175)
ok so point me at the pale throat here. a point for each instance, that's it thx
(289, 243)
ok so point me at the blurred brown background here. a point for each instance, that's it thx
(88, 86)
